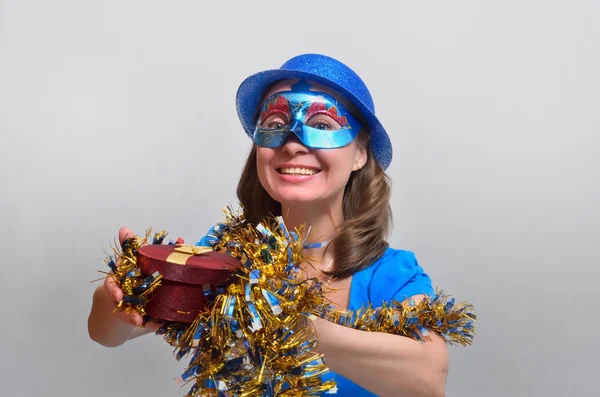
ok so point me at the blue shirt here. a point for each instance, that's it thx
(395, 275)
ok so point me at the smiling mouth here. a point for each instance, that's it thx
(298, 171)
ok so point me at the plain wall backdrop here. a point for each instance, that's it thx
(118, 113)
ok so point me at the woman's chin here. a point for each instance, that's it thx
(297, 201)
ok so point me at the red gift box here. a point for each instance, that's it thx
(187, 272)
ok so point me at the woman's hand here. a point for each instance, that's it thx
(114, 294)
(109, 327)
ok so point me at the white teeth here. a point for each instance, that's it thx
(297, 171)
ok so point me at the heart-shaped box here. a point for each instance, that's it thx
(190, 273)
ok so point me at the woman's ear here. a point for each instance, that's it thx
(361, 151)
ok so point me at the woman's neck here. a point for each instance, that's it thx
(321, 224)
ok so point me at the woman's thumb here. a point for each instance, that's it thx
(125, 233)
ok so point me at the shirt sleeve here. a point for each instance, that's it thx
(418, 284)
(398, 276)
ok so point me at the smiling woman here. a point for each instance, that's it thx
(292, 173)
(312, 154)
(318, 161)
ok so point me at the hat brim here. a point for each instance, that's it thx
(249, 95)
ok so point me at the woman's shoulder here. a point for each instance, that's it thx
(397, 256)
(394, 275)
(393, 261)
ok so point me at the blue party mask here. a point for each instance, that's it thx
(318, 120)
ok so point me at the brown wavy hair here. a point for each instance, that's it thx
(366, 209)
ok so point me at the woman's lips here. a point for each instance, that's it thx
(296, 174)
(298, 170)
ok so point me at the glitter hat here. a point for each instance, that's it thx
(323, 70)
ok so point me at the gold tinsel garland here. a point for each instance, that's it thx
(254, 339)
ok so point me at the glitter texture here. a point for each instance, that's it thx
(324, 70)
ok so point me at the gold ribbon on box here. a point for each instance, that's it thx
(183, 252)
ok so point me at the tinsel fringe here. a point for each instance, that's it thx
(254, 339)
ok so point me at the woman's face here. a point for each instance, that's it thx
(294, 174)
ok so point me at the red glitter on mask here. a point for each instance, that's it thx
(319, 107)
(279, 105)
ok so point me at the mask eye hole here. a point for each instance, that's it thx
(323, 122)
(275, 121)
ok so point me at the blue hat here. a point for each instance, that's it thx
(324, 70)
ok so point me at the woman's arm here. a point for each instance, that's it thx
(385, 364)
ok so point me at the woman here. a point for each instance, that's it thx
(318, 159)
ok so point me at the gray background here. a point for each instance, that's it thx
(122, 113)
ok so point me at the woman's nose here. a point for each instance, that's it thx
(293, 145)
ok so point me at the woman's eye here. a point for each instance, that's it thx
(274, 122)
(323, 122)
(274, 125)
(321, 125)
